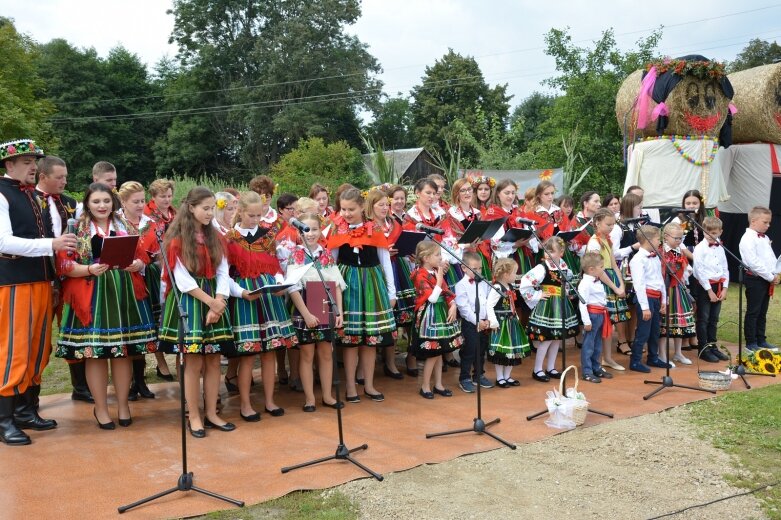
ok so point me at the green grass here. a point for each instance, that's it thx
(301, 505)
(746, 425)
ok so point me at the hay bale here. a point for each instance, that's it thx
(758, 99)
(696, 107)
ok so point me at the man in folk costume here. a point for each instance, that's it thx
(26, 273)
(52, 179)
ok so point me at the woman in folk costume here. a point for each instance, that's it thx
(550, 219)
(522, 251)
(545, 290)
(462, 213)
(398, 196)
(378, 211)
(26, 274)
(625, 245)
(105, 313)
(261, 326)
(131, 195)
(361, 251)
(319, 194)
(161, 211)
(483, 192)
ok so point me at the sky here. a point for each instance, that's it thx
(506, 37)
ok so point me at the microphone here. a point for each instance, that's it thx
(429, 229)
(298, 225)
(685, 211)
(643, 218)
(527, 221)
(71, 229)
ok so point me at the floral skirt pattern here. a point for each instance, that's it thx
(404, 312)
(545, 320)
(262, 325)
(508, 344)
(433, 335)
(682, 319)
(368, 317)
(121, 326)
(616, 307)
(216, 338)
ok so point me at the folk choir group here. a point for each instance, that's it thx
(222, 247)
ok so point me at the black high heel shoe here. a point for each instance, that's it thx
(232, 388)
(166, 377)
(103, 426)
(125, 422)
(390, 373)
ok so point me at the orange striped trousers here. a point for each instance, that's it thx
(25, 335)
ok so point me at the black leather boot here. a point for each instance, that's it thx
(79, 381)
(25, 414)
(9, 432)
(138, 387)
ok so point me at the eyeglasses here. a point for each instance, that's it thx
(674, 238)
(465, 190)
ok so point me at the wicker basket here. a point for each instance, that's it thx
(580, 407)
(712, 379)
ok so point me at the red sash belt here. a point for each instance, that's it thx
(653, 293)
(607, 325)
(719, 283)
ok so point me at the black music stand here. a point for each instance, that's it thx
(185, 482)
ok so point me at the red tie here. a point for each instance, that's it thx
(761, 235)
(715, 244)
(651, 255)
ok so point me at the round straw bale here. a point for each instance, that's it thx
(758, 100)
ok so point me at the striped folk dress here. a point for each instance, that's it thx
(433, 335)
(547, 318)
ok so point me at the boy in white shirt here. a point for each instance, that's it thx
(596, 319)
(757, 253)
(474, 330)
(709, 288)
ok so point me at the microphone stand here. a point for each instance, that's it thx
(741, 368)
(185, 482)
(342, 452)
(479, 425)
(667, 380)
(566, 289)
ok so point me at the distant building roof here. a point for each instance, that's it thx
(402, 160)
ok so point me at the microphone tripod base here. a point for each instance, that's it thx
(667, 382)
(342, 453)
(479, 426)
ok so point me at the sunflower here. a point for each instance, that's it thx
(765, 354)
(769, 368)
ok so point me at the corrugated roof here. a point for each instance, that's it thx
(402, 159)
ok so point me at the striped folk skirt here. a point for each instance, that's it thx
(263, 325)
(433, 335)
(25, 337)
(216, 338)
(682, 319)
(121, 325)
(545, 322)
(368, 317)
(152, 279)
(404, 311)
(616, 307)
(508, 344)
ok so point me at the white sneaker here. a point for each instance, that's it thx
(614, 366)
(680, 358)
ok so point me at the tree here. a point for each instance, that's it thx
(527, 117)
(25, 112)
(453, 89)
(392, 125)
(276, 72)
(314, 161)
(757, 52)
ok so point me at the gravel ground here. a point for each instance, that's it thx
(637, 468)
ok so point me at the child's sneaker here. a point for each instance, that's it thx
(485, 382)
(466, 386)
(683, 360)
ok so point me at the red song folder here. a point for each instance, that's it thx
(317, 299)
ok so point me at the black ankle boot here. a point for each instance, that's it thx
(26, 416)
(79, 381)
(139, 383)
(9, 432)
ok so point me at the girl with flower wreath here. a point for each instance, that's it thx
(484, 191)
(437, 329)
(314, 338)
(522, 251)
(161, 211)
(224, 211)
(262, 326)
(361, 251)
(197, 255)
(105, 314)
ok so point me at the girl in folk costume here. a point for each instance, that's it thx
(398, 196)
(195, 250)
(377, 210)
(361, 251)
(504, 206)
(161, 211)
(261, 326)
(314, 337)
(439, 198)
(550, 219)
(461, 214)
(604, 221)
(625, 245)
(484, 191)
(571, 257)
(543, 290)
(508, 343)
(105, 315)
(437, 330)
(224, 211)
(692, 235)
(319, 194)
(131, 195)
(682, 324)
(288, 238)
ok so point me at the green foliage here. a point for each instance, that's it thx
(392, 124)
(757, 52)
(382, 169)
(453, 89)
(572, 178)
(527, 117)
(315, 161)
(25, 112)
(183, 184)
(300, 505)
(450, 161)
